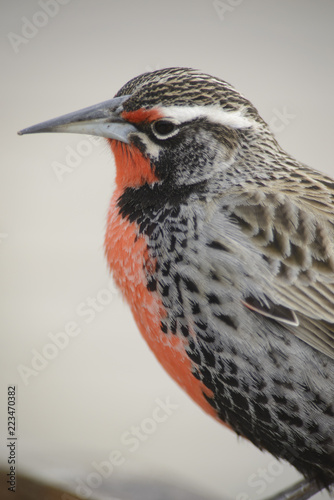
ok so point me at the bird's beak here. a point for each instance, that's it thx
(103, 119)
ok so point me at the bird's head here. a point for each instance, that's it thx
(175, 126)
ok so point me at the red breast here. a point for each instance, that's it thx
(127, 254)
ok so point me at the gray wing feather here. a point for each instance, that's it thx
(290, 224)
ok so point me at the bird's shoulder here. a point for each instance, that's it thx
(289, 222)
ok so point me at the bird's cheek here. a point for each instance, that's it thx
(132, 168)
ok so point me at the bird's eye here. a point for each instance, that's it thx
(163, 129)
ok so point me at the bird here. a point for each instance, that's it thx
(223, 246)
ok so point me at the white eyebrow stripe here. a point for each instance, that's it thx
(234, 119)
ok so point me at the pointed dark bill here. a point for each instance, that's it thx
(103, 119)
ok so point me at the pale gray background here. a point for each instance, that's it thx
(280, 55)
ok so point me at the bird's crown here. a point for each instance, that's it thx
(185, 87)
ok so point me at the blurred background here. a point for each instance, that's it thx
(88, 389)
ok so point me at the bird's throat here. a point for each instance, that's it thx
(132, 168)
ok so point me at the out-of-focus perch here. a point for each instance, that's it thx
(29, 488)
(32, 489)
